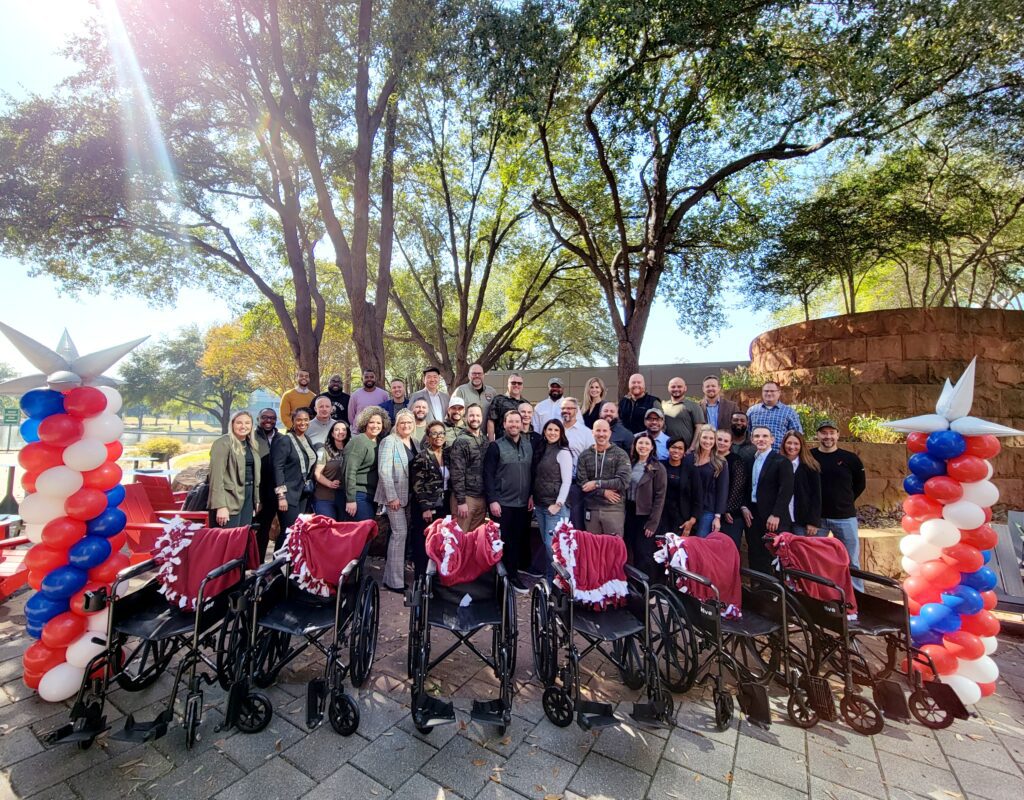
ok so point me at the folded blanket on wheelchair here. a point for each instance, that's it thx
(463, 556)
(819, 555)
(186, 553)
(595, 562)
(319, 548)
(714, 557)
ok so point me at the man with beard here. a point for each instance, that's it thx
(266, 432)
(338, 396)
(299, 397)
(476, 391)
(717, 410)
(682, 415)
(398, 400)
(655, 422)
(437, 401)
(419, 408)
(453, 424)
(502, 404)
(550, 407)
(580, 437)
(508, 466)
(621, 435)
(369, 395)
(741, 444)
(467, 471)
(634, 406)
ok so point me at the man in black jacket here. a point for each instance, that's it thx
(842, 481)
(467, 471)
(508, 466)
(767, 507)
(337, 395)
(266, 432)
(634, 406)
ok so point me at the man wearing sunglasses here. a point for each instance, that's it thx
(502, 404)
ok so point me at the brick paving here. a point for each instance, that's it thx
(387, 758)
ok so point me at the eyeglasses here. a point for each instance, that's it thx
(515, 383)
(436, 433)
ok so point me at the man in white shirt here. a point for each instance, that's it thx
(322, 422)
(580, 438)
(550, 407)
(437, 401)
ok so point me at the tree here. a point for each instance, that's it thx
(649, 111)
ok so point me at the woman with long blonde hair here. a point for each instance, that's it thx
(396, 453)
(235, 475)
(593, 399)
(713, 472)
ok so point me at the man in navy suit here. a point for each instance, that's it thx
(770, 478)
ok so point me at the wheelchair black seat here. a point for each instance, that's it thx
(750, 624)
(151, 617)
(872, 627)
(482, 589)
(299, 616)
(607, 625)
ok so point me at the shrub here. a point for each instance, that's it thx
(161, 448)
(812, 417)
(868, 428)
(743, 378)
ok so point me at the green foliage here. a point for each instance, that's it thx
(868, 428)
(812, 416)
(743, 378)
(161, 448)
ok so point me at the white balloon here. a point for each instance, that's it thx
(40, 508)
(963, 514)
(61, 682)
(98, 621)
(926, 423)
(910, 566)
(85, 454)
(940, 533)
(106, 427)
(81, 651)
(967, 690)
(991, 643)
(979, 670)
(991, 470)
(113, 399)
(33, 532)
(972, 426)
(59, 482)
(917, 548)
(982, 493)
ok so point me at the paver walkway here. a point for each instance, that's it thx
(982, 757)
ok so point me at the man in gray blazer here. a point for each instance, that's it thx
(717, 409)
(437, 401)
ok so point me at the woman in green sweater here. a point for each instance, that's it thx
(373, 423)
(234, 475)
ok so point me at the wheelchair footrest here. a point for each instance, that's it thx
(79, 731)
(591, 714)
(754, 704)
(430, 712)
(144, 731)
(948, 700)
(656, 714)
(822, 700)
(490, 712)
(888, 696)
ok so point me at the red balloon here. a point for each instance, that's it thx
(39, 456)
(63, 532)
(45, 559)
(106, 476)
(107, 571)
(939, 574)
(981, 624)
(913, 606)
(60, 430)
(967, 469)
(35, 579)
(920, 589)
(983, 538)
(31, 679)
(990, 599)
(63, 629)
(943, 489)
(987, 689)
(910, 524)
(917, 442)
(944, 661)
(114, 450)
(40, 658)
(28, 482)
(963, 557)
(982, 446)
(962, 644)
(922, 508)
(84, 402)
(85, 504)
(988, 513)
(78, 599)
(118, 541)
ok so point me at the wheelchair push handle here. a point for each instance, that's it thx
(818, 579)
(348, 570)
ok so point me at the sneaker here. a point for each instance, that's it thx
(518, 585)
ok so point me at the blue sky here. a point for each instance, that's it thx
(30, 40)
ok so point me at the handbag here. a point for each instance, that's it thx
(308, 485)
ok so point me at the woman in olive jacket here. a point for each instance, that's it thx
(235, 475)
(645, 501)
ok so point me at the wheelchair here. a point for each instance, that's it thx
(278, 621)
(144, 633)
(622, 635)
(433, 605)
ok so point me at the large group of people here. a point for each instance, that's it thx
(634, 467)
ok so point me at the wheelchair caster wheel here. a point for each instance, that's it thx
(193, 718)
(928, 711)
(255, 713)
(800, 711)
(558, 706)
(723, 710)
(861, 714)
(343, 714)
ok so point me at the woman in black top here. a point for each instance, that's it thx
(805, 507)
(294, 458)
(429, 480)
(732, 519)
(682, 494)
(714, 479)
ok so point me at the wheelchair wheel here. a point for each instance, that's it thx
(144, 666)
(232, 639)
(629, 661)
(272, 648)
(804, 646)
(927, 710)
(542, 637)
(363, 645)
(255, 713)
(723, 709)
(799, 709)
(343, 714)
(558, 706)
(672, 643)
(861, 714)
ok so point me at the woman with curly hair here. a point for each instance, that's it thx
(396, 452)
(593, 400)
(373, 423)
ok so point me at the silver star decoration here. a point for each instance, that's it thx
(63, 369)
(952, 411)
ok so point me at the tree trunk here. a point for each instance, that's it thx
(629, 362)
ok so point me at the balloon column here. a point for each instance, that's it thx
(70, 511)
(949, 541)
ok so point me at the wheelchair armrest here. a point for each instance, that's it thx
(636, 574)
(693, 576)
(128, 573)
(431, 568)
(270, 566)
(345, 573)
(873, 577)
(223, 569)
(500, 567)
(761, 578)
(818, 579)
(563, 573)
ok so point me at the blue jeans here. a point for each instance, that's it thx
(846, 531)
(546, 524)
(325, 508)
(703, 526)
(364, 507)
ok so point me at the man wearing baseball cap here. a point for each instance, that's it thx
(453, 423)
(550, 407)
(654, 424)
(842, 481)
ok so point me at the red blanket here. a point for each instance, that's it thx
(463, 556)
(714, 557)
(596, 563)
(319, 548)
(187, 553)
(818, 555)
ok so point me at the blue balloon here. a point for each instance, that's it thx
(913, 485)
(926, 466)
(30, 430)
(982, 580)
(110, 521)
(115, 496)
(41, 403)
(932, 637)
(89, 552)
(939, 618)
(64, 582)
(40, 608)
(987, 555)
(968, 600)
(946, 444)
(35, 631)
(918, 627)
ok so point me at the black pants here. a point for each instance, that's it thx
(265, 520)
(515, 534)
(576, 509)
(286, 519)
(417, 541)
(758, 556)
(641, 547)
